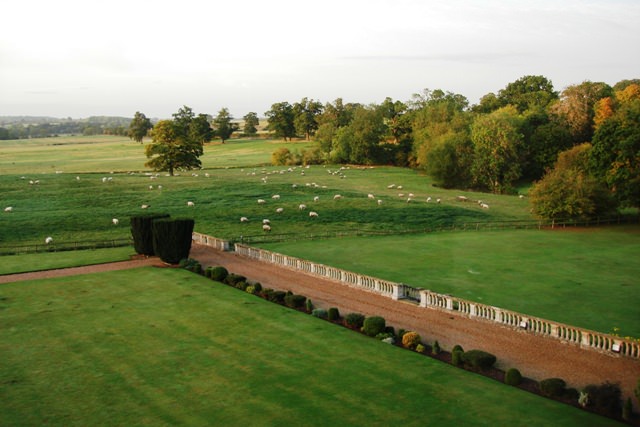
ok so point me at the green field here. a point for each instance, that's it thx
(167, 347)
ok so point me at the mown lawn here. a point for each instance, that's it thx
(167, 347)
(586, 278)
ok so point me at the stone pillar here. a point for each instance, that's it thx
(423, 298)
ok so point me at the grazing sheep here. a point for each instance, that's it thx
(145, 206)
(399, 187)
(266, 227)
(462, 199)
(151, 187)
(114, 221)
(409, 199)
(294, 186)
(48, 240)
(371, 196)
(438, 200)
(411, 195)
(315, 199)
(484, 206)
(302, 207)
(276, 197)
(337, 197)
(428, 199)
(379, 202)
(190, 204)
(207, 175)
(159, 187)
(313, 214)
(521, 196)
(104, 179)
(77, 178)
(261, 201)
(400, 194)
(391, 186)
(266, 221)
(244, 219)
(279, 210)
(8, 209)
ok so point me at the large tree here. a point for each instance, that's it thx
(200, 129)
(224, 125)
(305, 117)
(176, 143)
(527, 93)
(497, 142)
(359, 142)
(139, 127)
(251, 123)
(280, 120)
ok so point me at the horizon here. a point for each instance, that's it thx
(69, 60)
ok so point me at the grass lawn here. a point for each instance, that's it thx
(52, 260)
(167, 347)
(585, 278)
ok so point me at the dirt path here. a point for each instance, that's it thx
(535, 356)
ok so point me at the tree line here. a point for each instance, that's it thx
(33, 127)
(580, 146)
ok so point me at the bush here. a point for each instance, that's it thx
(191, 264)
(295, 301)
(172, 238)
(242, 285)
(605, 399)
(410, 340)
(251, 290)
(478, 359)
(512, 377)
(457, 347)
(456, 357)
(258, 287)
(277, 296)
(435, 349)
(309, 306)
(232, 279)
(354, 320)
(373, 325)
(218, 273)
(552, 387)
(319, 312)
(420, 348)
(142, 232)
(333, 314)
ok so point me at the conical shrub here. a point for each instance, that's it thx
(142, 233)
(172, 238)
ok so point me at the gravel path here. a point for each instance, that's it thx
(535, 356)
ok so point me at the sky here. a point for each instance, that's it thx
(68, 58)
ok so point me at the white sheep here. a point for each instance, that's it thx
(316, 198)
(438, 200)
(266, 221)
(190, 204)
(399, 187)
(8, 209)
(484, 206)
(428, 199)
(400, 194)
(114, 221)
(409, 199)
(276, 197)
(266, 227)
(145, 206)
(104, 179)
(391, 186)
(371, 196)
(379, 202)
(279, 210)
(302, 207)
(411, 195)
(337, 197)
(313, 214)
(48, 240)
(261, 201)
(521, 196)
(244, 219)
(151, 187)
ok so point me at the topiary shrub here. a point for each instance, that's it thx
(258, 287)
(420, 348)
(232, 279)
(478, 359)
(333, 314)
(320, 313)
(172, 238)
(552, 387)
(513, 377)
(410, 340)
(373, 325)
(242, 285)
(191, 264)
(457, 347)
(605, 399)
(435, 348)
(295, 301)
(142, 232)
(218, 273)
(309, 306)
(456, 357)
(354, 320)
(277, 297)
(251, 290)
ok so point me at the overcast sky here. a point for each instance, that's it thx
(67, 58)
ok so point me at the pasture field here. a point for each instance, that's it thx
(168, 347)
(586, 278)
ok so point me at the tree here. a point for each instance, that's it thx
(569, 191)
(449, 160)
(364, 135)
(528, 92)
(497, 144)
(395, 119)
(223, 125)
(139, 127)
(280, 120)
(305, 115)
(200, 129)
(174, 145)
(251, 123)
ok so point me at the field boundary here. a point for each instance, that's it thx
(64, 246)
(581, 337)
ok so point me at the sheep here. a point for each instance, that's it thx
(438, 200)
(390, 186)
(371, 196)
(411, 195)
(521, 196)
(8, 209)
(484, 206)
(207, 175)
(266, 221)
(462, 199)
(190, 204)
(337, 197)
(48, 240)
(104, 179)
(77, 178)
(379, 202)
(114, 221)
(409, 199)
(244, 219)
(316, 198)
(151, 187)
(279, 210)
(276, 197)
(400, 194)
(145, 206)
(429, 199)
(266, 227)
(313, 214)
(399, 187)
(261, 201)
(159, 187)
(302, 207)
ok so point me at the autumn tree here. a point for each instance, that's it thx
(223, 125)
(280, 120)
(569, 190)
(497, 142)
(139, 127)
(251, 123)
